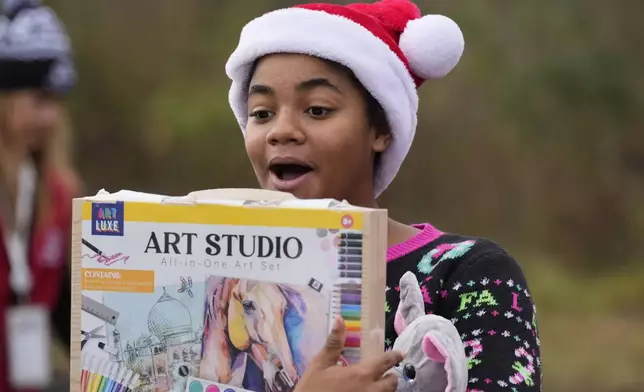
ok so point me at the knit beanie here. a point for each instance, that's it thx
(34, 48)
(388, 45)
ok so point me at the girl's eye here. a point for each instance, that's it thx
(317, 111)
(261, 115)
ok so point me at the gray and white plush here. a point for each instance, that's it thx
(434, 353)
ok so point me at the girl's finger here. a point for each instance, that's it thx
(382, 363)
(333, 347)
(388, 383)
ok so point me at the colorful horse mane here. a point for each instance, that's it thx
(259, 319)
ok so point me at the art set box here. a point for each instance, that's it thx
(219, 290)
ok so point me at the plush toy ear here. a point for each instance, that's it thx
(445, 347)
(236, 326)
(434, 349)
(411, 304)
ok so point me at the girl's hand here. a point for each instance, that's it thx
(323, 373)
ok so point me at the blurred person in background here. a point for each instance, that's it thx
(37, 183)
(326, 96)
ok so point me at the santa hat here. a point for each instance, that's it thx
(34, 48)
(390, 47)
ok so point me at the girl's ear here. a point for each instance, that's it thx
(381, 142)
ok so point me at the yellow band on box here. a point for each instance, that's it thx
(129, 281)
(212, 214)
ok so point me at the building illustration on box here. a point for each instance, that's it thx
(163, 345)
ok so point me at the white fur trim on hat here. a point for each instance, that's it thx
(433, 45)
(335, 38)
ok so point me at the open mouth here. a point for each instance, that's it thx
(289, 171)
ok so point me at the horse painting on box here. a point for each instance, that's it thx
(261, 335)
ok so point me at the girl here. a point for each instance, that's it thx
(326, 98)
(37, 184)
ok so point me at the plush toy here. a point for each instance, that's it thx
(434, 353)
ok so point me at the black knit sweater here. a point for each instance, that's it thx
(479, 287)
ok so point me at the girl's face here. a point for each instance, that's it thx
(308, 131)
(32, 115)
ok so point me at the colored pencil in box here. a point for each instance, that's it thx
(352, 355)
(132, 385)
(125, 381)
(350, 256)
(100, 375)
(114, 387)
(352, 340)
(344, 296)
(350, 289)
(97, 377)
(350, 295)
(350, 266)
(351, 236)
(350, 251)
(111, 375)
(350, 243)
(91, 374)
(109, 379)
(350, 259)
(350, 274)
(352, 326)
(350, 299)
(350, 312)
(104, 375)
(87, 364)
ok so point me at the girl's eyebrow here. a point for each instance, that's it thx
(317, 82)
(261, 89)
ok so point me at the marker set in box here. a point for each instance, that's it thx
(100, 375)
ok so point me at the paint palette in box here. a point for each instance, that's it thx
(235, 285)
(200, 385)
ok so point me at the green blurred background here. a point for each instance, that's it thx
(536, 140)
